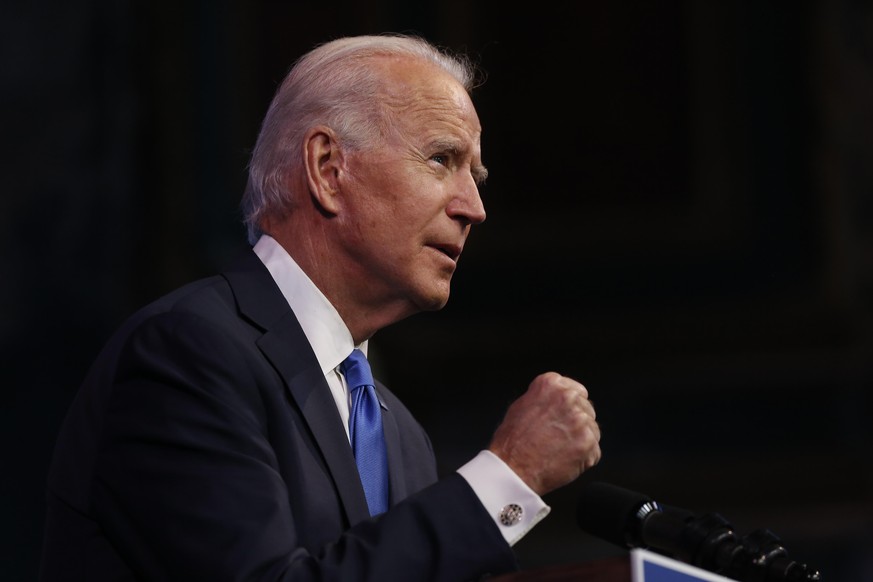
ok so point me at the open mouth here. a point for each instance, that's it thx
(451, 251)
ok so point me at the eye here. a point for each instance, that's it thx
(441, 159)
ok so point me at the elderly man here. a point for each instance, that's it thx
(232, 430)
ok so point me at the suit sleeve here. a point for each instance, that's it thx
(186, 484)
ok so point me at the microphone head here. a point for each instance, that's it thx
(613, 513)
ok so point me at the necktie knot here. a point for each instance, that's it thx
(356, 369)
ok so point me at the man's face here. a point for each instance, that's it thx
(414, 198)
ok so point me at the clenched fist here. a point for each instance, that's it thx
(550, 435)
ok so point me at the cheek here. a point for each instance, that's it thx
(395, 207)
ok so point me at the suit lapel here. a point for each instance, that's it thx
(286, 347)
(395, 458)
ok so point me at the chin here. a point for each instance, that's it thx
(433, 304)
(433, 301)
(429, 292)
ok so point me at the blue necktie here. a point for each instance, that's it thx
(365, 430)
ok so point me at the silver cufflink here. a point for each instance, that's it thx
(510, 514)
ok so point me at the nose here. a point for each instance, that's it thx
(467, 205)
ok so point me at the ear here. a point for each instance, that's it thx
(323, 161)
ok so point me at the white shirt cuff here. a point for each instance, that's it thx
(514, 506)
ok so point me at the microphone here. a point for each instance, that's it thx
(633, 520)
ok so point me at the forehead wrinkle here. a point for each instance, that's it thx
(440, 99)
(441, 110)
(418, 111)
(424, 106)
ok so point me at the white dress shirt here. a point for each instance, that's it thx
(514, 507)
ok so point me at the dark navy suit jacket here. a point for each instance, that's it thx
(205, 445)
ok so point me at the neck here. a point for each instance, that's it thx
(362, 314)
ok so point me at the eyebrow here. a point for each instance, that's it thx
(480, 173)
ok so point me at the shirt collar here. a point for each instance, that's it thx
(327, 333)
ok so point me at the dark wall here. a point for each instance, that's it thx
(680, 212)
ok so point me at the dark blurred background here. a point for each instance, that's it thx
(680, 216)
